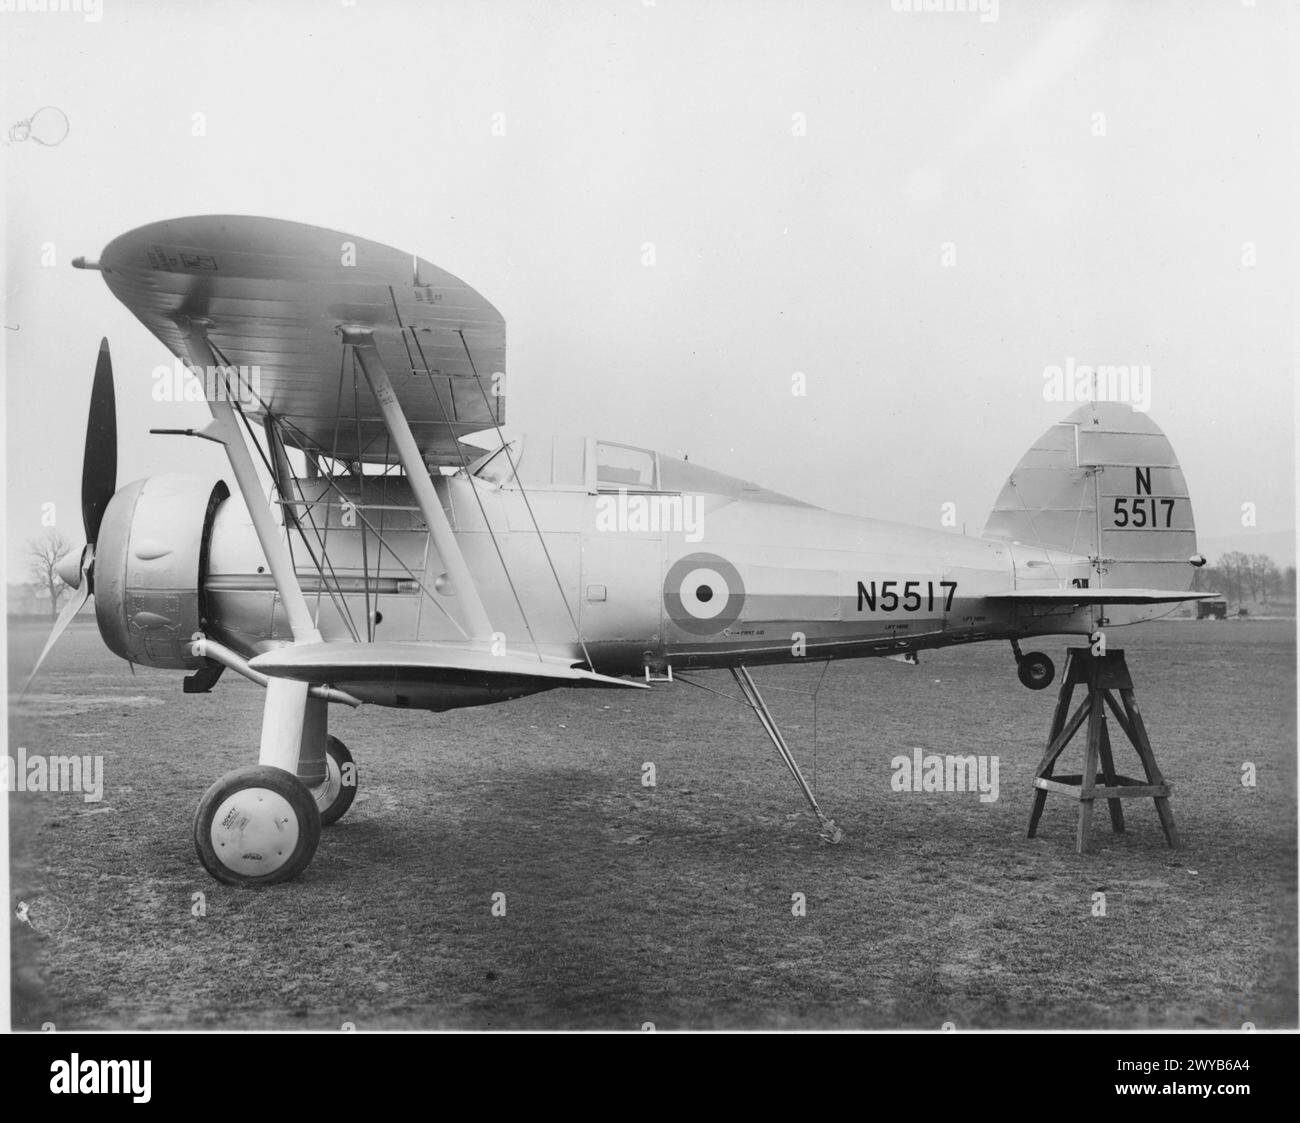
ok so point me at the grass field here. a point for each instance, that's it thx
(672, 905)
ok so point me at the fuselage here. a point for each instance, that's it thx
(643, 560)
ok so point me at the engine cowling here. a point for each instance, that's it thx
(151, 559)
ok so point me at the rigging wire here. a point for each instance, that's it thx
(323, 539)
(826, 666)
(383, 513)
(482, 510)
(361, 488)
(813, 694)
(237, 405)
(514, 472)
(460, 452)
(323, 583)
(1037, 537)
(350, 503)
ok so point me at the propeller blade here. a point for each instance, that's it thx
(79, 597)
(99, 465)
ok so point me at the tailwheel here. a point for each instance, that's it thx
(1035, 670)
(257, 825)
(335, 796)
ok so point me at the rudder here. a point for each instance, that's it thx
(1104, 484)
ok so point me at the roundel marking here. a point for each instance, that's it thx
(703, 594)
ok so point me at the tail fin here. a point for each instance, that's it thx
(1104, 484)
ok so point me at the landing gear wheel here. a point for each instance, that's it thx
(257, 825)
(335, 796)
(1036, 670)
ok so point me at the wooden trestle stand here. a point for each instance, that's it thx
(1103, 676)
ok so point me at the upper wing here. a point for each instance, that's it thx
(274, 295)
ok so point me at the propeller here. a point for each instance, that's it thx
(98, 485)
(99, 464)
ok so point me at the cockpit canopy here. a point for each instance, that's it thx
(559, 463)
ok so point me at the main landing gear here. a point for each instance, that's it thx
(257, 825)
(335, 795)
(1034, 670)
(260, 824)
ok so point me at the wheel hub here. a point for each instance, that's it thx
(254, 831)
(326, 793)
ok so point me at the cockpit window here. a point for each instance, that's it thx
(561, 462)
(538, 462)
(495, 467)
(623, 466)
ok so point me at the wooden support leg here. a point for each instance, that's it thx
(1054, 750)
(1056, 745)
(1142, 743)
(1040, 800)
(1088, 781)
(1063, 699)
(1102, 677)
(1108, 773)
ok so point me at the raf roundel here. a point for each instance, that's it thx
(704, 594)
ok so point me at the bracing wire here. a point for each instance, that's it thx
(305, 442)
(460, 453)
(236, 403)
(514, 472)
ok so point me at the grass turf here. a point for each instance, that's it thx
(672, 905)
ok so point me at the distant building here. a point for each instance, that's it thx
(1216, 609)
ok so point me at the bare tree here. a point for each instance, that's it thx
(1232, 567)
(1258, 572)
(1268, 574)
(43, 554)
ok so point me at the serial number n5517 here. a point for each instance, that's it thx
(1147, 511)
(914, 594)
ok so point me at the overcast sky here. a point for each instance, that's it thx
(1114, 183)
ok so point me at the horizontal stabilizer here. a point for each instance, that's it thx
(1098, 596)
(421, 663)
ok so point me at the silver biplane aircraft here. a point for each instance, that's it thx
(400, 565)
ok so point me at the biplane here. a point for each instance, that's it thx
(392, 542)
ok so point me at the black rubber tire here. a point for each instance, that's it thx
(276, 780)
(338, 757)
(1036, 670)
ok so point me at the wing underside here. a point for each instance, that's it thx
(272, 296)
(432, 676)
